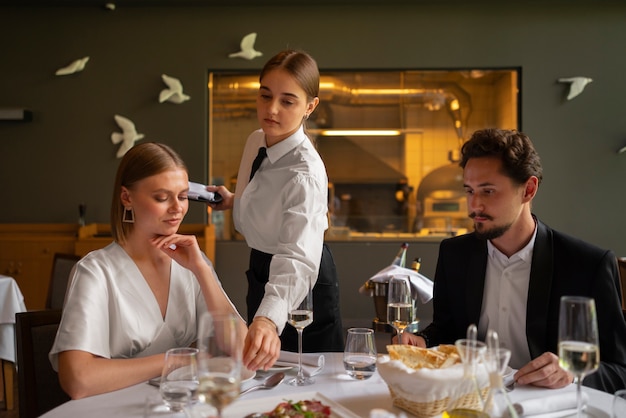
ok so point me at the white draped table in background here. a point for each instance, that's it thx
(11, 302)
(355, 398)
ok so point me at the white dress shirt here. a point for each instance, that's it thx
(504, 300)
(283, 211)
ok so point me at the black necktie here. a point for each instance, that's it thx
(257, 161)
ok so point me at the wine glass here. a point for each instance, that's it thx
(300, 316)
(399, 304)
(619, 404)
(359, 356)
(179, 379)
(219, 360)
(579, 350)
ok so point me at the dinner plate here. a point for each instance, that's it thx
(281, 367)
(247, 375)
(242, 408)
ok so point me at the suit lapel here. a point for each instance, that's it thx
(539, 290)
(475, 283)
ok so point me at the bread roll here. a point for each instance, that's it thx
(417, 357)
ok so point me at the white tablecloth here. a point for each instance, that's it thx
(11, 302)
(359, 397)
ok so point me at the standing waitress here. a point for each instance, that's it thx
(280, 205)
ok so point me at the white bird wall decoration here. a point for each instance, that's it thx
(174, 92)
(247, 48)
(75, 67)
(127, 138)
(577, 85)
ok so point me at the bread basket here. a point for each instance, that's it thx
(428, 392)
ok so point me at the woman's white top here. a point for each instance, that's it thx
(283, 211)
(110, 310)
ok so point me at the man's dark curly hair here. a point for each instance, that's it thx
(519, 158)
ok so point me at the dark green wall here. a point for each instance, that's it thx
(65, 156)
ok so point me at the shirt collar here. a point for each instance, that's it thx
(277, 151)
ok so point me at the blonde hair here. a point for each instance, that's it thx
(141, 161)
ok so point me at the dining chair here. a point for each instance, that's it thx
(61, 269)
(38, 384)
(621, 262)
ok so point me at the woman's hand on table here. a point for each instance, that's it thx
(227, 197)
(262, 346)
(544, 371)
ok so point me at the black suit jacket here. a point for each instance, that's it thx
(561, 265)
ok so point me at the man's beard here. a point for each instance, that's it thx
(492, 233)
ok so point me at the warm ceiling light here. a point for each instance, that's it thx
(360, 132)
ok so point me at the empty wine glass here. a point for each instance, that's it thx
(399, 304)
(299, 317)
(179, 379)
(359, 356)
(579, 350)
(219, 360)
(619, 404)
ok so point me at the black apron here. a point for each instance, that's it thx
(326, 332)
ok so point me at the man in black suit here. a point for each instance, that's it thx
(510, 273)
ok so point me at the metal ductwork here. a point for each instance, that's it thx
(234, 96)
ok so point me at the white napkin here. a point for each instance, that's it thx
(312, 364)
(421, 285)
(551, 406)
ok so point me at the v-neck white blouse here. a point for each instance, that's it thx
(110, 310)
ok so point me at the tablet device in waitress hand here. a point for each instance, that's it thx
(198, 193)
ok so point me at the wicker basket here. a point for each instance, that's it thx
(427, 393)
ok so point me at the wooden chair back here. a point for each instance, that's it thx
(61, 268)
(39, 389)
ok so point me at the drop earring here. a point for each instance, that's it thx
(129, 216)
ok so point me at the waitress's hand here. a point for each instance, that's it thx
(227, 197)
(262, 346)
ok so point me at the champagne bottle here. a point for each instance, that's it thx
(400, 259)
(417, 263)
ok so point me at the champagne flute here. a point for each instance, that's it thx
(399, 304)
(179, 379)
(219, 360)
(579, 350)
(300, 316)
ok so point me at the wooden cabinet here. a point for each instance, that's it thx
(26, 253)
(94, 236)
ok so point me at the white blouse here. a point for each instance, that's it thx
(283, 211)
(110, 311)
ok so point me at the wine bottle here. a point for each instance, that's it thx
(400, 259)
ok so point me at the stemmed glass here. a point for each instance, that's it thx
(579, 350)
(399, 304)
(179, 379)
(299, 317)
(219, 360)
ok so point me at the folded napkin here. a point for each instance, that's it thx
(421, 285)
(312, 364)
(551, 406)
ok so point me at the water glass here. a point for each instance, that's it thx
(179, 379)
(619, 404)
(359, 356)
